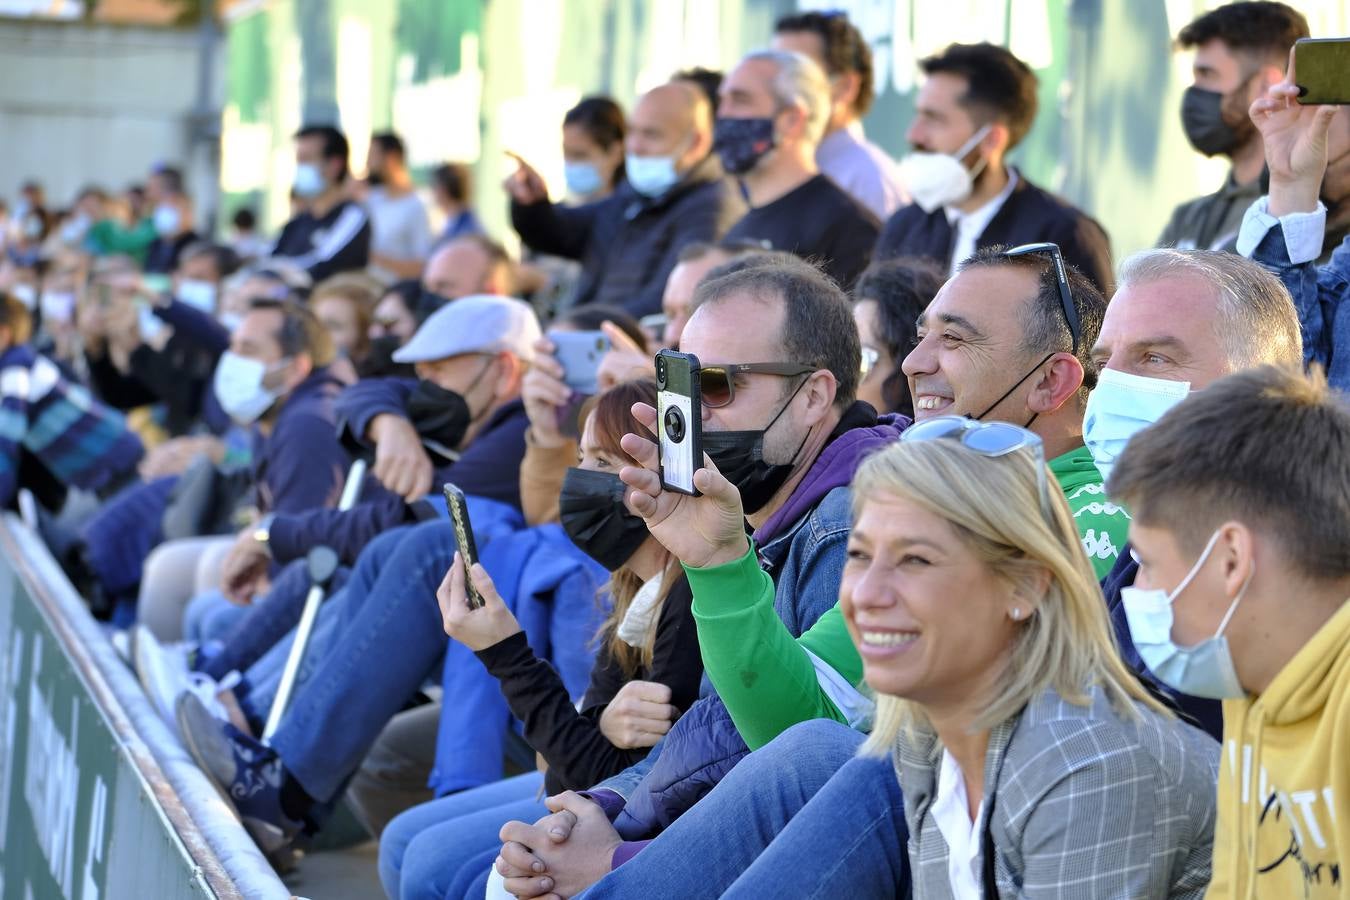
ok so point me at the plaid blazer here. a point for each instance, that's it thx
(1087, 804)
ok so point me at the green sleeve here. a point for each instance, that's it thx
(765, 677)
(111, 238)
(1103, 526)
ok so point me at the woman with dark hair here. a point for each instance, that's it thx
(392, 323)
(888, 300)
(646, 673)
(593, 133)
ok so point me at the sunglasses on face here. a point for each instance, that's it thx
(1065, 298)
(717, 384)
(990, 439)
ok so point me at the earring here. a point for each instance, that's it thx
(1016, 613)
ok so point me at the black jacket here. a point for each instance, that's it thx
(1029, 215)
(627, 243)
(578, 753)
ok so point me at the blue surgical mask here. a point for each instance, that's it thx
(167, 219)
(239, 387)
(1204, 670)
(309, 180)
(583, 178)
(1119, 407)
(651, 176)
(200, 295)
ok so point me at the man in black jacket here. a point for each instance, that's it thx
(975, 106)
(773, 111)
(628, 242)
(331, 234)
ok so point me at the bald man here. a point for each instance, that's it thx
(468, 264)
(674, 195)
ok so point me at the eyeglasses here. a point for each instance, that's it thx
(717, 384)
(1065, 298)
(870, 355)
(991, 439)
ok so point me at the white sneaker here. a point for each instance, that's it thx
(163, 672)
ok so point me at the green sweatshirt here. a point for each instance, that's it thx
(109, 238)
(769, 681)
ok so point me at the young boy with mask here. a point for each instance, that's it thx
(1241, 596)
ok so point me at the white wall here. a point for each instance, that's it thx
(99, 104)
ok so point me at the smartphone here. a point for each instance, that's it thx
(679, 420)
(579, 353)
(1322, 66)
(468, 550)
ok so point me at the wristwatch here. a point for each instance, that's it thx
(262, 532)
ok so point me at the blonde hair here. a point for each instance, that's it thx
(994, 506)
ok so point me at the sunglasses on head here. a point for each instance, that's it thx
(991, 439)
(717, 384)
(1065, 298)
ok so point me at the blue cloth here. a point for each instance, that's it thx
(464, 223)
(1321, 296)
(437, 849)
(551, 586)
(209, 617)
(122, 533)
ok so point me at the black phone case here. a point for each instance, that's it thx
(677, 382)
(468, 550)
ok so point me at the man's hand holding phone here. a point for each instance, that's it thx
(544, 394)
(1295, 139)
(475, 628)
(703, 531)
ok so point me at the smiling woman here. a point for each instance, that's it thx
(1016, 731)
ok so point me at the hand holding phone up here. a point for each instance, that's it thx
(475, 627)
(701, 531)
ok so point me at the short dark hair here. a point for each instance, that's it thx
(244, 219)
(171, 176)
(456, 179)
(390, 143)
(16, 317)
(818, 325)
(1046, 330)
(709, 81)
(224, 258)
(335, 144)
(1261, 28)
(901, 288)
(999, 86)
(300, 332)
(602, 119)
(1266, 447)
(845, 49)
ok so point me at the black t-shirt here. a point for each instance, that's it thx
(817, 221)
(339, 241)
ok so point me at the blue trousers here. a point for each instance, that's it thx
(444, 848)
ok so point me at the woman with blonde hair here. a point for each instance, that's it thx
(1032, 762)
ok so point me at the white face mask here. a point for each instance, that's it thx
(57, 307)
(151, 325)
(25, 294)
(200, 295)
(1204, 670)
(167, 220)
(1119, 407)
(308, 180)
(239, 388)
(935, 180)
(230, 321)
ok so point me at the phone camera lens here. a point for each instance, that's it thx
(660, 371)
(674, 425)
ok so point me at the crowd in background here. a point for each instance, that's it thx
(1012, 569)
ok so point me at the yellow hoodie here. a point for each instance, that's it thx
(1283, 828)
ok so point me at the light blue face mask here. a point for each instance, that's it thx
(308, 181)
(1119, 407)
(1204, 670)
(650, 176)
(583, 178)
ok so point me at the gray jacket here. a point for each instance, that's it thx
(1086, 804)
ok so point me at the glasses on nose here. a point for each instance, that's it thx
(991, 439)
(1065, 298)
(717, 384)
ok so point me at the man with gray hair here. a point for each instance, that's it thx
(771, 116)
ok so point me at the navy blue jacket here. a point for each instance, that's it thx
(301, 465)
(1029, 215)
(488, 467)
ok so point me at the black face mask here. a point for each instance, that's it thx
(742, 143)
(1202, 117)
(739, 456)
(438, 414)
(594, 517)
(427, 304)
(375, 179)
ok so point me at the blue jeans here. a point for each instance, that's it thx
(389, 642)
(209, 618)
(441, 848)
(848, 840)
(705, 850)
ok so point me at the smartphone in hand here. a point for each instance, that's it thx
(579, 353)
(679, 420)
(1322, 70)
(468, 551)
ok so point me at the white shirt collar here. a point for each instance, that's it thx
(951, 812)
